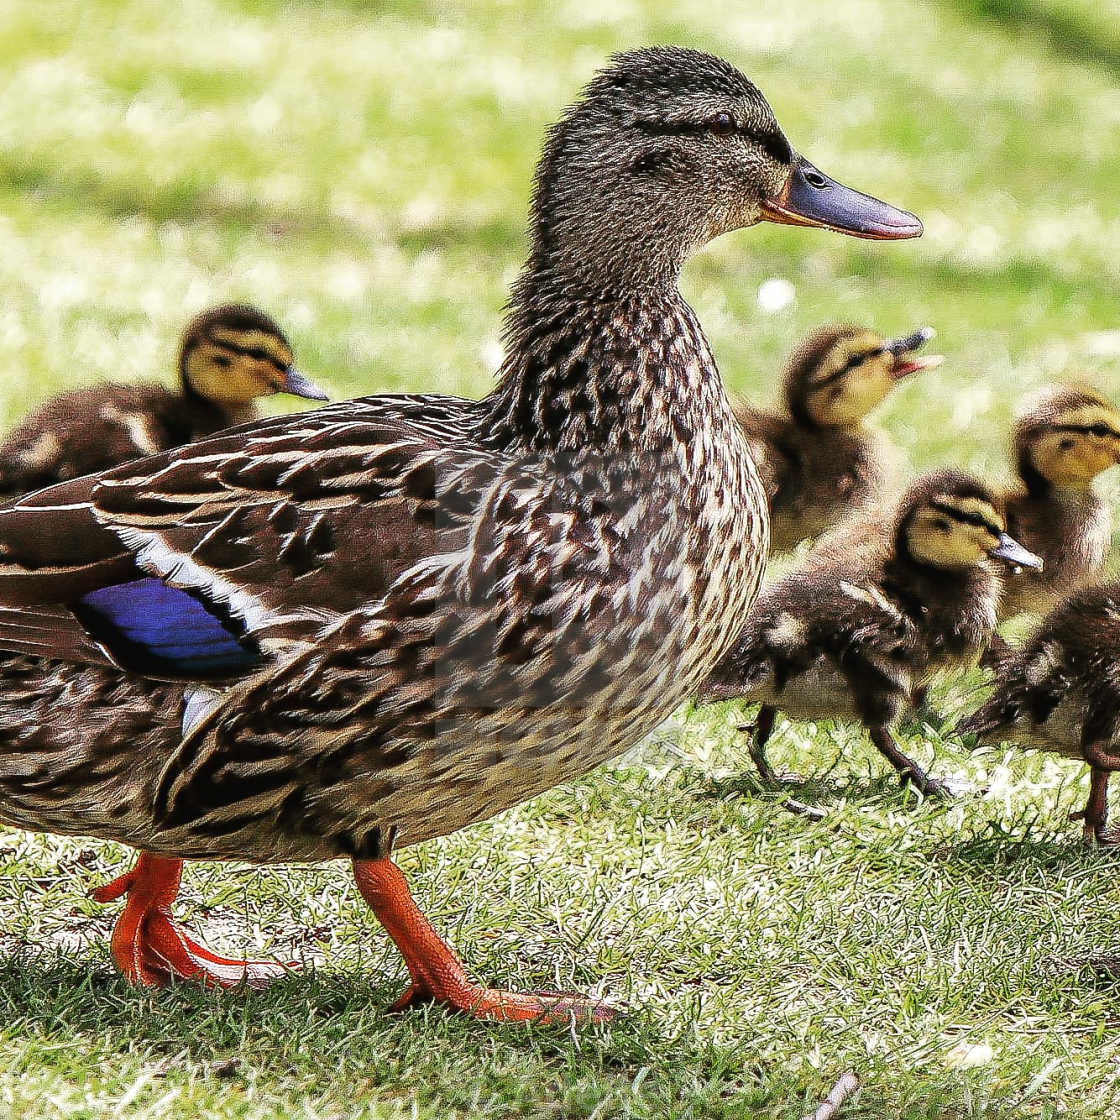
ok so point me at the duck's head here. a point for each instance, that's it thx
(233, 354)
(1064, 437)
(667, 149)
(948, 520)
(840, 373)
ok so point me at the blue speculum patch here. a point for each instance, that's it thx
(151, 627)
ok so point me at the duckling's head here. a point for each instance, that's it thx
(233, 354)
(840, 373)
(667, 149)
(948, 520)
(1064, 437)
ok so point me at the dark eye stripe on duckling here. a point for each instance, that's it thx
(257, 352)
(774, 144)
(854, 362)
(966, 517)
(1101, 430)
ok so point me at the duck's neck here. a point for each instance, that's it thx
(627, 377)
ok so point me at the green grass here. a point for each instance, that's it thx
(361, 170)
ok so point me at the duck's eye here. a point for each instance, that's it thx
(223, 360)
(1066, 444)
(722, 124)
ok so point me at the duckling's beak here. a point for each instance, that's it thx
(1010, 551)
(902, 349)
(299, 385)
(811, 198)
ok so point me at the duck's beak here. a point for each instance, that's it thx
(1010, 551)
(300, 385)
(811, 198)
(905, 361)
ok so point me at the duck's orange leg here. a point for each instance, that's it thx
(437, 973)
(153, 949)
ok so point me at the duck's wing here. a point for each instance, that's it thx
(204, 561)
(500, 638)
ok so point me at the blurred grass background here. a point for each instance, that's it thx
(361, 171)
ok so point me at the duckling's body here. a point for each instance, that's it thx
(416, 612)
(1062, 441)
(228, 357)
(1060, 692)
(819, 460)
(860, 634)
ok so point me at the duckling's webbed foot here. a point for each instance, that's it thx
(908, 769)
(758, 735)
(437, 974)
(154, 950)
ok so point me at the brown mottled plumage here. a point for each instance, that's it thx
(228, 357)
(1062, 440)
(817, 458)
(856, 635)
(422, 610)
(1060, 692)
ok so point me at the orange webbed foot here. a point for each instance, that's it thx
(154, 950)
(437, 974)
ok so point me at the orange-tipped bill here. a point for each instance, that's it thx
(811, 198)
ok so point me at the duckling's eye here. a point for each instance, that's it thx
(722, 124)
(1099, 430)
(223, 360)
(942, 525)
(835, 392)
(259, 355)
(1066, 444)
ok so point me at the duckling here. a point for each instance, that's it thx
(1060, 692)
(818, 460)
(229, 356)
(1062, 440)
(855, 637)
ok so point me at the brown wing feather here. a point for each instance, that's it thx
(285, 523)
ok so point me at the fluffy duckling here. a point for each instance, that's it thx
(817, 458)
(228, 357)
(856, 637)
(1060, 692)
(1062, 440)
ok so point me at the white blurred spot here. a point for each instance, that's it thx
(775, 294)
(492, 354)
(964, 1056)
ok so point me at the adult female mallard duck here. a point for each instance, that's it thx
(817, 458)
(1062, 440)
(1060, 691)
(415, 612)
(855, 634)
(229, 357)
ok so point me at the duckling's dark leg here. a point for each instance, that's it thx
(437, 973)
(1094, 816)
(153, 949)
(758, 735)
(911, 772)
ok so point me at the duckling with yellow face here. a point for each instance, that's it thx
(1063, 439)
(818, 458)
(859, 636)
(229, 357)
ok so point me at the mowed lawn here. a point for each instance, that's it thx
(361, 170)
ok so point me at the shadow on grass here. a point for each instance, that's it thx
(333, 1030)
(1065, 33)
